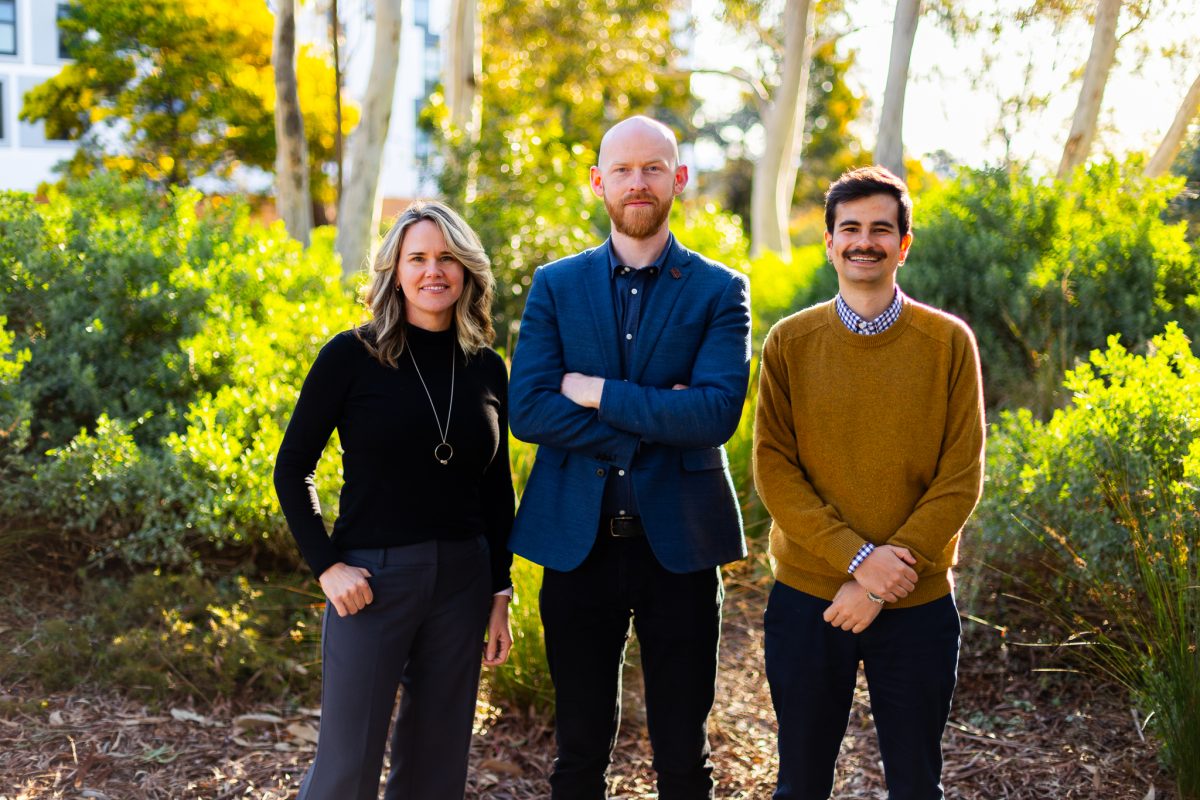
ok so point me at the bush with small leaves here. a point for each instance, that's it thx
(163, 340)
(1045, 271)
(1107, 495)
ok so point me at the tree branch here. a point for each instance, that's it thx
(762, 97)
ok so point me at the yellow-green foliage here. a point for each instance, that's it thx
(1110, 486)
(187, 88)
(167, 340)
(778, 289)
(14, 411)
(1131, 430)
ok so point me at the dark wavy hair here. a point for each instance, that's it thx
(865, 182)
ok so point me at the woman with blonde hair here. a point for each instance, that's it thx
(417, 565)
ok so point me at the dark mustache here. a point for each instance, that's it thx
(871, 253)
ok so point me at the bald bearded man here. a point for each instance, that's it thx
(629, 375)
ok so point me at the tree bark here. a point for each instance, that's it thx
(1165, 155)
(783, 123)
(335, 36)
(358, 216)
(464, 67)
(889, 145)
(1095, 77)
(292, 197)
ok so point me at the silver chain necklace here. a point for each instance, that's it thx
(444, 451)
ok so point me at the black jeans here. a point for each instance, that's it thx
(911, 660)
(586, 614)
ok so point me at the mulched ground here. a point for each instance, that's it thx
(1014, 733)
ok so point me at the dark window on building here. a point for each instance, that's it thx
(8, 27)
(421, 13)
(433, 64)
(422, 144)
(65, 40)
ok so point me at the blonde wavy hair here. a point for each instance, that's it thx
(384, 334)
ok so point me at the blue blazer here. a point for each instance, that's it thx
(695, 330)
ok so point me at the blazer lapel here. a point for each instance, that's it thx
(598, 287)
(658, 307)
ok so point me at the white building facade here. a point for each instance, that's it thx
(31, 50)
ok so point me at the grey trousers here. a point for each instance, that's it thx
(423, 631)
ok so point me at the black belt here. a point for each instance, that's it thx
(622, 527)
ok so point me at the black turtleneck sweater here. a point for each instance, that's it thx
(394, 491)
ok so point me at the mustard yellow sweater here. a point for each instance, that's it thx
(868, 438)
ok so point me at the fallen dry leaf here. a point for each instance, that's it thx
(247, 721)
(496, 765)
(303, 731)
(143, 721)
(183, 715)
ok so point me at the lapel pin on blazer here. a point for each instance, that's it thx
(675, 273)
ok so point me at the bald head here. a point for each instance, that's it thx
(643, 133)
(638, 177)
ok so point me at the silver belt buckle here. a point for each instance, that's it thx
(617, 529)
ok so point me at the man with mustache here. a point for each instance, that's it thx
(630, 374)
(868, 454)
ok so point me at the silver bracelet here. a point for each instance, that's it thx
(874, 598)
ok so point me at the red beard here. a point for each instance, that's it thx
(641, 222)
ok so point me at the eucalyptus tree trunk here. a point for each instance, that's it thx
(1095, 77)
(292, 196)
(361, 204)
(889, 145)
(1164, 156)
(335, 35)
(464, 67)
(783, 122)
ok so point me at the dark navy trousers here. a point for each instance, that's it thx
(910, 656)
(424, 632)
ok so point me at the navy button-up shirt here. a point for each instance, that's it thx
(630, 287)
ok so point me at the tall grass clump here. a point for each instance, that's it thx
(1152, 648)
(1110, 487)
(523, 682)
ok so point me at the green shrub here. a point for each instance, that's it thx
(1132, 422)
(89, 293)
(704, 227)
(778, 289)
(167, 339)
(101, 488)
(1045, 271)
(1110, 489)
(14, 411)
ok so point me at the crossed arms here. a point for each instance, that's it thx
(607, 418)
